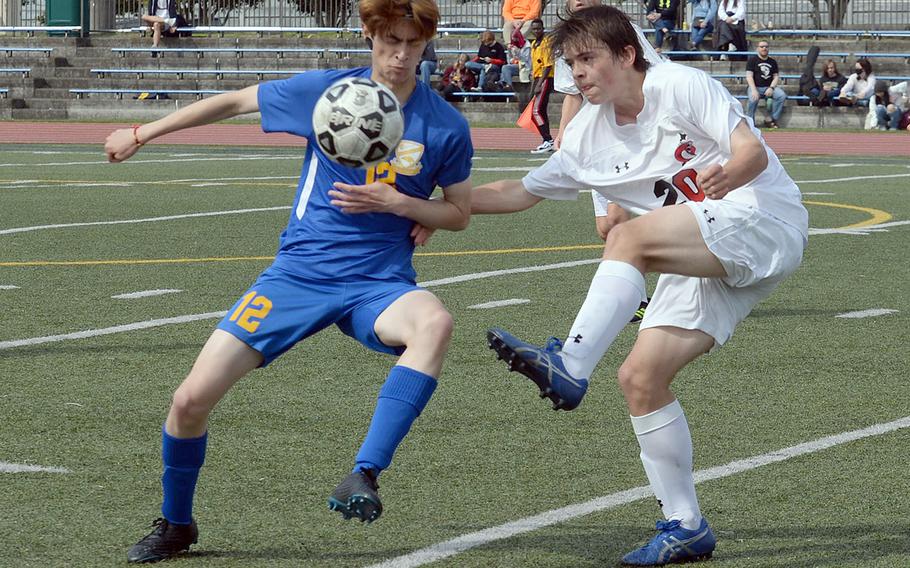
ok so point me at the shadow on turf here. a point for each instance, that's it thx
(791, 547)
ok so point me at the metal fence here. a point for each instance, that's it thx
(761, 14)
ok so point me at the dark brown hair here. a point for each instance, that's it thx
(599, 26)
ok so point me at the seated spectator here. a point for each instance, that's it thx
(491, 56)
(517, 15)
(161, 19)
(731, 25)
(456, 78)
(831, 82)
(703, 14)
(428, 62)
(519, 63)
(891, 102)
(860, 85)
(662, 15)
(763, 76)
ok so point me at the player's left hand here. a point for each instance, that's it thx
(421, 234)
(713, 181)
(376, 197)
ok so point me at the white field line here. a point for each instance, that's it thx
(500, 304)
(212, 315)
(145, 294)
(6, 467)
(466, 542)
(109, 330)
(856, 178)
(157, 161)
(145, 220)
(866, 313)
(8, 287)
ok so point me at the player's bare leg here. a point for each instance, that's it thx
(222, 362)
(419, 322)
(666, 444)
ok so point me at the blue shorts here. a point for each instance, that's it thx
(281, 309)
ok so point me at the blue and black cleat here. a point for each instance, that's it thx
(674, 544)
(543, 365)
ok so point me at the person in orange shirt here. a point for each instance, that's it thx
(518, 14)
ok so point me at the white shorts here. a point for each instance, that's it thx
(757, 250)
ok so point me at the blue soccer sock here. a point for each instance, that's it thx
(401, 400)
(182, 459)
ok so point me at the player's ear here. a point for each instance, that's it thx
(368, 37)
(369, 42)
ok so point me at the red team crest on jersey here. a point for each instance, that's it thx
(685, 151)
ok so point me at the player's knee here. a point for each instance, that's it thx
(436, 326)
(187, 408)
(636, 382)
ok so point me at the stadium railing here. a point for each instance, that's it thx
(11, 50)
(11, 70)
(31, 30)
(198, 93)
(684, 54)
(237, 51)
(217, 73)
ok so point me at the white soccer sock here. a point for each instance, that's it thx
(666, 453)
(616, 291)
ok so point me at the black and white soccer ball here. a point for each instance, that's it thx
(358, 122)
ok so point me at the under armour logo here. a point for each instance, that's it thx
(708, 216)
(682, 136)
(619, 169)
(577, 338)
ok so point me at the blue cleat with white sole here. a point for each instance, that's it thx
(674, 544)
(543, 365)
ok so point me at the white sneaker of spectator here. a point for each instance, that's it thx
(545, 146)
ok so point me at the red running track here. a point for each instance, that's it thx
(782, 141)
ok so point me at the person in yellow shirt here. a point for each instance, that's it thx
(518, 14)
(541, 85)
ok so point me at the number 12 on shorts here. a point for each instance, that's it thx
(252, 310)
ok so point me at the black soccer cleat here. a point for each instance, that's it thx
(165, 541)
(640, 312)
(357, 496)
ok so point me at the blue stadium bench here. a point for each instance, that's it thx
(80, 93)
(873, 55)
(30, 30)
(797, 54)
(218, 73)
(237, 51)
(10, 50)
(8, 70)
(482, 94)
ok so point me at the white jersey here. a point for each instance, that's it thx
(684, 127)
(563, 81)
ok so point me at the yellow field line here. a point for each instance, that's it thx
(878, 216)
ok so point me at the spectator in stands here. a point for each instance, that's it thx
(890, 103)
(731, 25)
(491, 56)
(763, 76)
(900, 98)
(831, 82)
(703, 14)
(161, 18)
(517, 15)
(860, 85)
(662, 15)
(428, 62)
(456, 78)
(542, 85)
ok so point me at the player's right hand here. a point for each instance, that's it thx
(421, 234)
(120, 145)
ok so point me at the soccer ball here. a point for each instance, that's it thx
(358, 122)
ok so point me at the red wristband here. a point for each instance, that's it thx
(136, 134)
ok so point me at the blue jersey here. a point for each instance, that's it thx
(320, 241)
